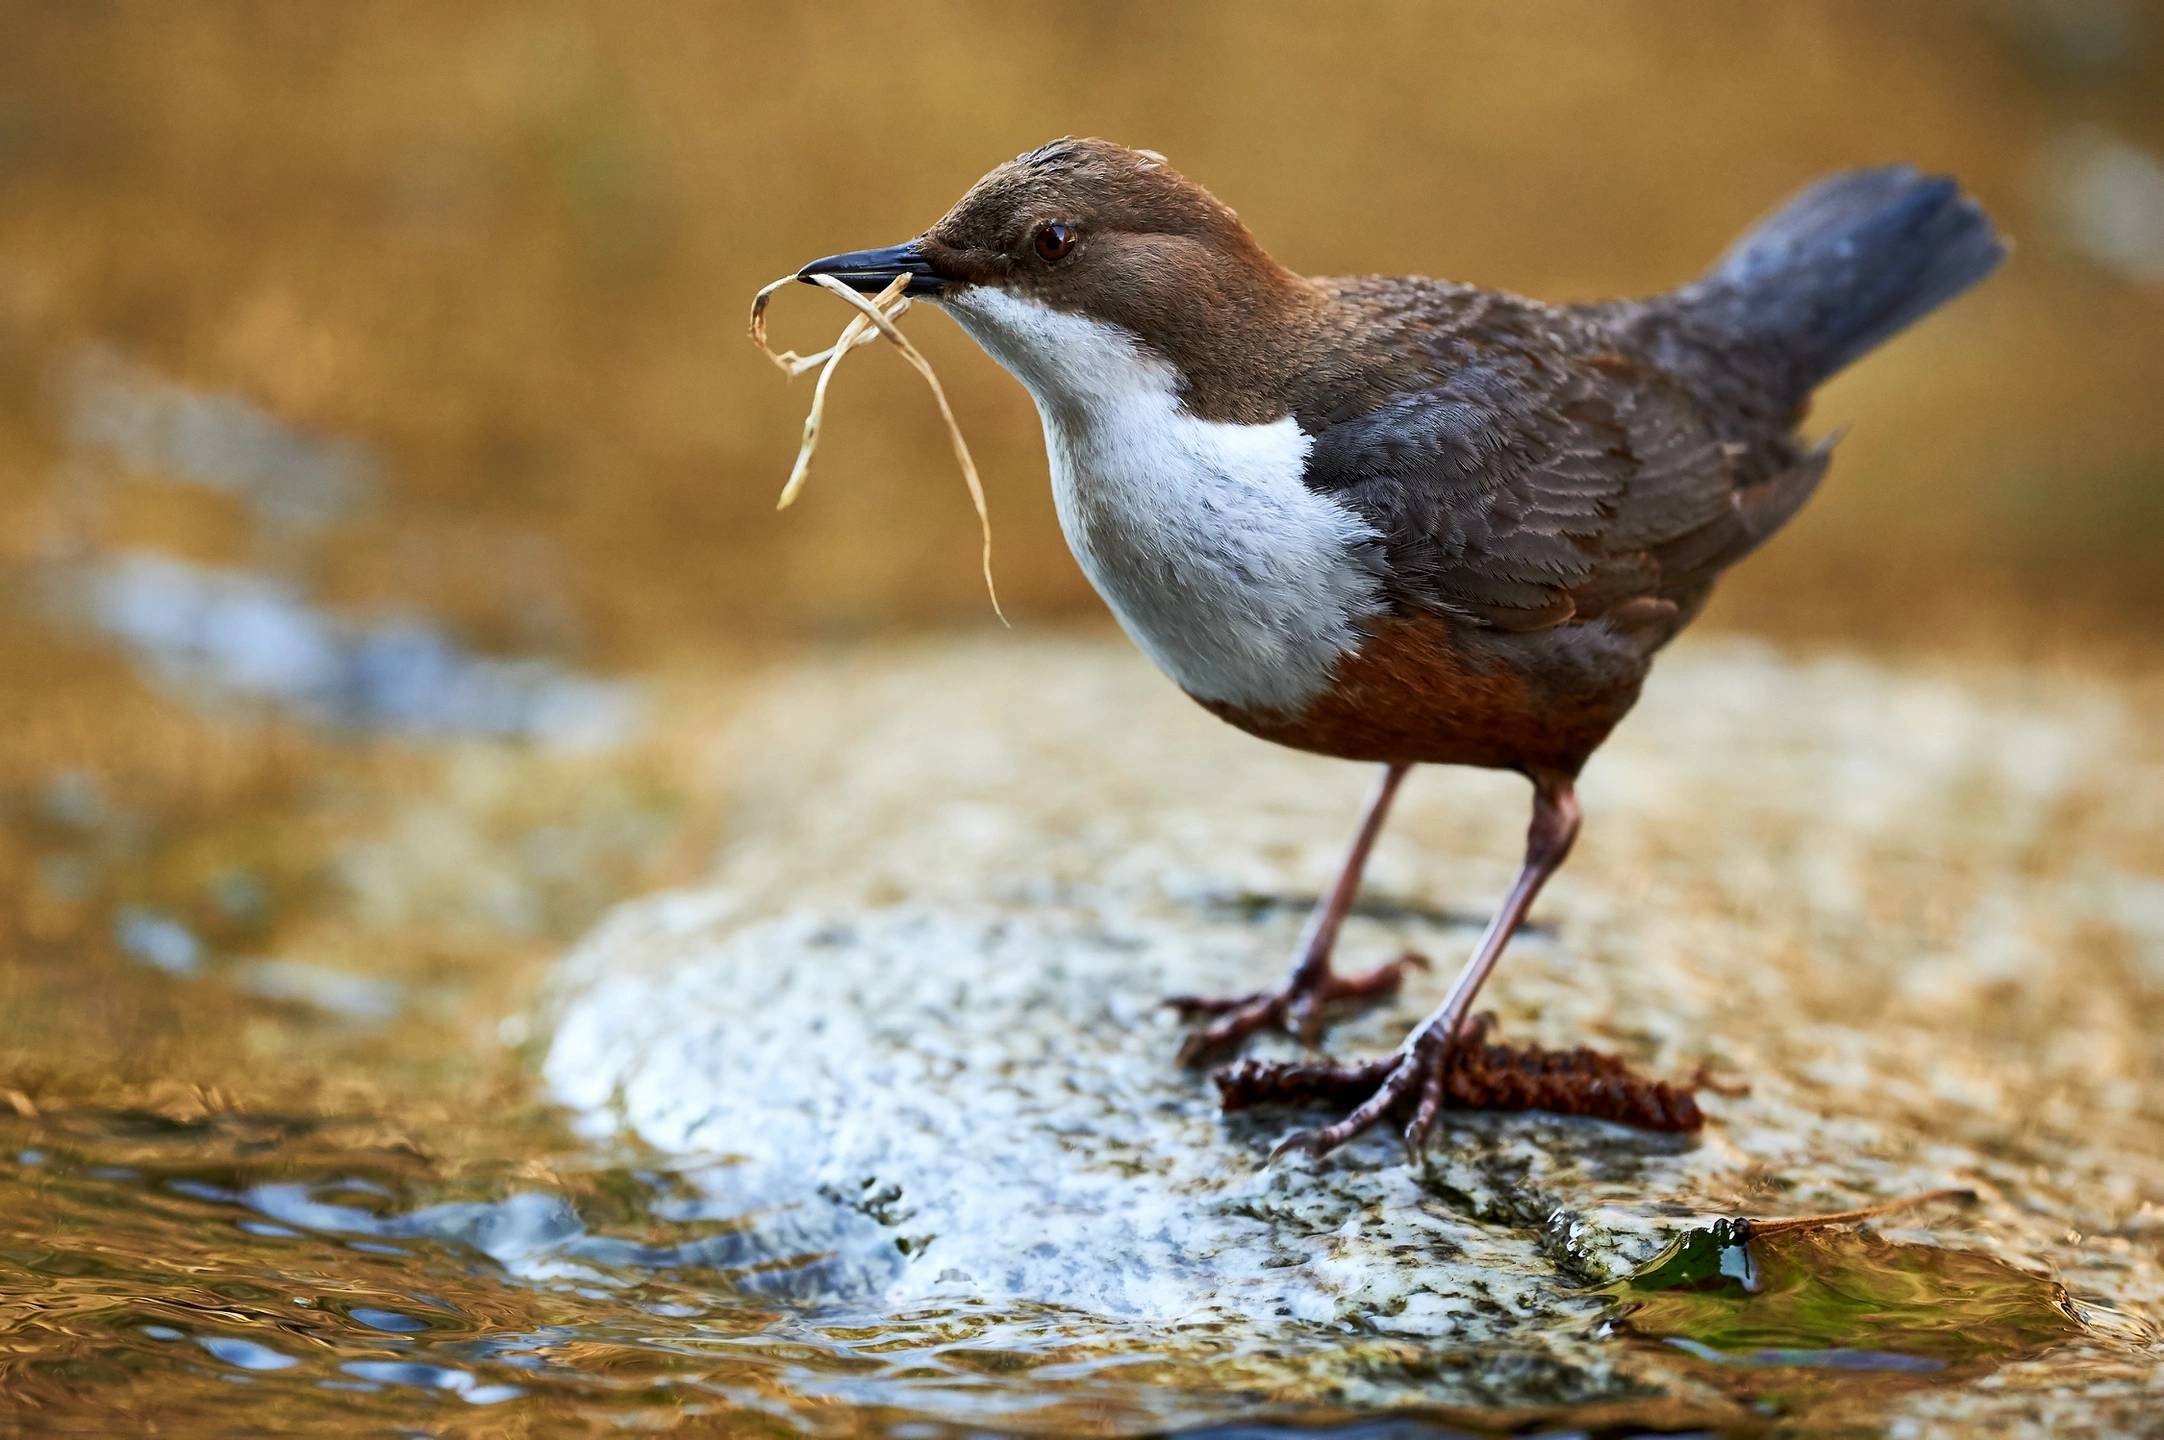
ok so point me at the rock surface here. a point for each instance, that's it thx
(914, 1018)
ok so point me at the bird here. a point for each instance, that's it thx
(1408, 521)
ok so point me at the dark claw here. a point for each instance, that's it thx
(1297, 1140)
(1370, 1110)
(1231, 1026)
(1431, 1105)
(1189, 1006)
(1303, 1019)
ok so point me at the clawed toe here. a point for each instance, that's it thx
(1472, 1072)
(1236, 1020)
(1300, 1009)
(1374, 1089)
(1194, 1007)
(1407, 1077)
(1308, 1010)
(1303, 1140)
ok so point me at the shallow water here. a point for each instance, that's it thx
(1842, 1299)
(228, 1270)
(220, 1270)
(282, 878)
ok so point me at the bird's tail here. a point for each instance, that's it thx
(1842, 267)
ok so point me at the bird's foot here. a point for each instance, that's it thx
(1469, 1072)
(1412, 1079)
(1299, 1007)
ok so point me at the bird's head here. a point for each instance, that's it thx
(1084, 266)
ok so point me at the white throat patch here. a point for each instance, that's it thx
(1239, 581)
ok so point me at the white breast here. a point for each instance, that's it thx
(1240, 582)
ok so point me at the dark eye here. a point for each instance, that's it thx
(1053, 241)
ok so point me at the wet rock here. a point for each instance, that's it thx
(913, 1017)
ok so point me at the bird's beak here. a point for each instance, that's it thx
(871, 271)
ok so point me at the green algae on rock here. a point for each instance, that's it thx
(1841, 1298)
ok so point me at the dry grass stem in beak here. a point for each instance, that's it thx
(875, 319)
(859, 331)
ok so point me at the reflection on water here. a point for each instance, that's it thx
(295, 1272)
(337, 992)
(1842, 1299)
(1784, 1318)
(251, 637)
(157, 940)
(326, 1271)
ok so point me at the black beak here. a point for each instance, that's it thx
(872, 271)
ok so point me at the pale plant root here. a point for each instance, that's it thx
(874, 319)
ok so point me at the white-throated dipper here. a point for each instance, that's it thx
(1401, 520)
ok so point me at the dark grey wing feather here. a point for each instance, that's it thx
(1524, 491)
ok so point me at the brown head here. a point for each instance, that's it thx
(1084, 244)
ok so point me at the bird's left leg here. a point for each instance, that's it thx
(1298, 1004)
(1415, 1076)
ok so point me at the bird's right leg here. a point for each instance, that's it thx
(1418, 1075)
(1312, 986)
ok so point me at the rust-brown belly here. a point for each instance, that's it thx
(1415, 692)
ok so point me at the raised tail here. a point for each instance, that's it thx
(1842, 267)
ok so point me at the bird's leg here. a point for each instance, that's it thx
(1418, 1076)
(1312, 986)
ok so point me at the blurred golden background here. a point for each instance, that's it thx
(386, 479)
(505, 250)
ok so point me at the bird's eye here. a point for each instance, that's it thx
(1053, 241)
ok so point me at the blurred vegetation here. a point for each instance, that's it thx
(508, 247)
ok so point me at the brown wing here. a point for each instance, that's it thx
(1530, 485)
